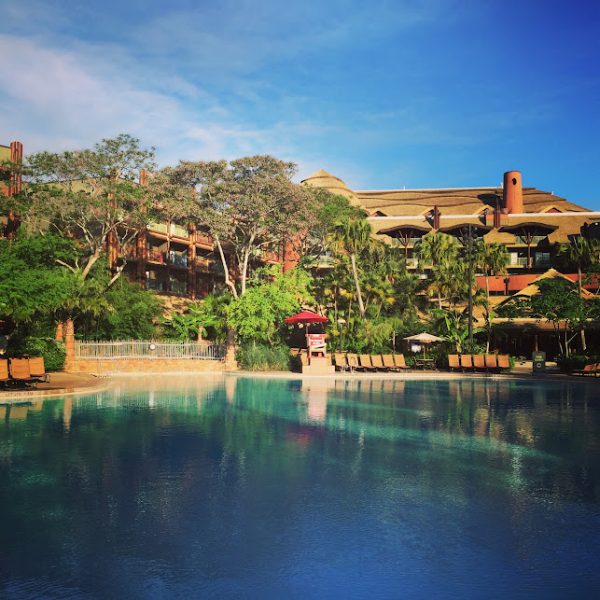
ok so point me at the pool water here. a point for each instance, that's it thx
(257, 488)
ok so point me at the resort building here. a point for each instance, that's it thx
(530, 222)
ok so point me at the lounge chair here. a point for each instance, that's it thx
(491, 362)
(591, 369)
(19, 370)
(377, 362)
(453, 362)
(388, 362)
(364, 361)
(37, 368)
(341, 362)
(479, 362)
(400, 362)
(466, 361)
(352, 361)
(4, 374)
(503, 361)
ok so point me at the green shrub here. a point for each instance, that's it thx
(568, 364)
(261, 357)
(53, 352)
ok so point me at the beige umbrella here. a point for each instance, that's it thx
(424, 339)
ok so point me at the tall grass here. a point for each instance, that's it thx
(261, 357)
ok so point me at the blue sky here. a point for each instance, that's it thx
(384, 94)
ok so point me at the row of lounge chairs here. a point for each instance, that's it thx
(591, 369)
(24, 371)
(369, 362)
(478, 362)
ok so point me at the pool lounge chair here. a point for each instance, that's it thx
(352, 361)
(377, 362)
(388, 362)
(37, 368)
(479, 362)
(591, 369)
(453, 362)
(19, 370)
(4, 374)
(503, 361)
(364, 361)
(466, 362)
(491, 362)
(400, 362)
(341, 362)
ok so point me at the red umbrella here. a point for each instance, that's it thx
(306, 317)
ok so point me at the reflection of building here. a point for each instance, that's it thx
(529, 222)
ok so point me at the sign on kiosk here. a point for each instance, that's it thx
(315, 340)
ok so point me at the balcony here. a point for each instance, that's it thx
(204, 239)
(179, 231)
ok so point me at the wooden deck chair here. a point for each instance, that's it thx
(4, 374)
(491, 362)
(453, 362)
(479, 362)
(37, 368)
(341, 362)
(388, 362)
(503, 361)
(352, 361)
(377, 362)
(466, 361)
(19, 370)
(400, 362)
(364, 360)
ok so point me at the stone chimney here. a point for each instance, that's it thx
(513, 192)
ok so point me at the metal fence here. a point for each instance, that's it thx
(144, 349)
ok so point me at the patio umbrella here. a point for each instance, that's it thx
(424, 338)
(306, 317)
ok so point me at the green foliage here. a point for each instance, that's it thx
(263, 357)
(209, 317)
(133, 313)
(258, 315)
(31, 284)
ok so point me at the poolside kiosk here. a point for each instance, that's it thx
(317, 361)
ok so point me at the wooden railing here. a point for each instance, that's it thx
(148, 349)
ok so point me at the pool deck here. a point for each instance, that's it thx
(65, 384)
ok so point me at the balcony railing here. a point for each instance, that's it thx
(204, 238)
(179, 231)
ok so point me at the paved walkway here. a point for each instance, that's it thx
(60, 384)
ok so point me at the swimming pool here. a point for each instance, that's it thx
(259, 488)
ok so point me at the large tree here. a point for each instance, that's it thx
(91, 196)
(249, 206)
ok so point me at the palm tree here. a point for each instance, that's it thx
(492, 259)
(354, 235)
(440, 251)
(581, 252)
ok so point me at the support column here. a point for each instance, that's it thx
(60, 332)
(70, 345)
(230, 362)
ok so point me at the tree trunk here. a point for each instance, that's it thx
(582, 332)
(230, 284)
(91, 262)
(361, 306)
(244, 273)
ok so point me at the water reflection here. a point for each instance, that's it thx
(232, 487)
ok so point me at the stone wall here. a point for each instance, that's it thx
(157, 365)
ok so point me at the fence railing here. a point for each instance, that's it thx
(144, 349)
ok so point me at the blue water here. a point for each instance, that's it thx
(256, 488)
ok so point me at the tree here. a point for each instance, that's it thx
(249, 206)
(440, 251)
(583, 253)
(354, 236)
(90, 196)
(273, 295)
(559, 302)
(491, 259)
